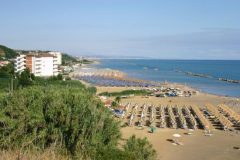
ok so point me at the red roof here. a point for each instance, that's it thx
(108, 102)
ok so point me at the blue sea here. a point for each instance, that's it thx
(168, 70)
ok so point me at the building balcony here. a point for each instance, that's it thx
(55, 70)
(20, 61)
(19, 66)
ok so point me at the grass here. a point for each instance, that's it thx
(126, 93)
(48, 154)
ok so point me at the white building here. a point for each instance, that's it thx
(44, 65)
(40, 64)
(20, 63)
(58, 56)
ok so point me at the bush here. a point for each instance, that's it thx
(92, 90)
(114, 154)
(126, 93)
(140, 148)
(7, 71)
(64, 117)
(25, 78)
(70, 119)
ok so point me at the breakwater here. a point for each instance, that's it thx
(207, 76)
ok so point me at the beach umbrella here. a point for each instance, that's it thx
(176, 135)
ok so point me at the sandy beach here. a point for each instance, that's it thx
(200, 99)
(197, 146)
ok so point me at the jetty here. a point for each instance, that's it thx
(207, 76)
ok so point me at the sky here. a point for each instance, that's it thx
(174, 29)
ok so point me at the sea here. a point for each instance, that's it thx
(175, 71)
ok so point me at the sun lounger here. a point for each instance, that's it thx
(220, 117)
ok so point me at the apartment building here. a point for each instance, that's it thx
(40, 64)
(20, 63)
(58, 57)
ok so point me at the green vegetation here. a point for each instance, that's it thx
(126, 93)
(140, 148)
(6, 52)
(25, 78)
(67, 59)
(6, 77)
(11, 81)
(7, 71)
(85, 61)
(118, 99)
(64, 116)
(116, 102)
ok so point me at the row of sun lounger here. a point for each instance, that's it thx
(168, 116)
(204, 122)
(179, 117)
(161, 113)
(192, 119)
(107, 81)
(172, 117)
(220, 117)
(229, 113)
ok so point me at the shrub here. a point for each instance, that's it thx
(140, 148)
(126, 93)
(64, 117)
(67, 117)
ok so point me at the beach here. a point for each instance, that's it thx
(219, 146)
(201, 99)
(197, 146)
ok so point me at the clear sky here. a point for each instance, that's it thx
(178, 29)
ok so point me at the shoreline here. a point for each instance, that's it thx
(124, 76)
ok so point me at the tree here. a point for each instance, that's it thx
(118, 99)
(25, 78)
(140, 148)
(7, 71)
(59, 77)
(114, 104)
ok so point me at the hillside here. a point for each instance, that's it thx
(7, 52)
(67, 59)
